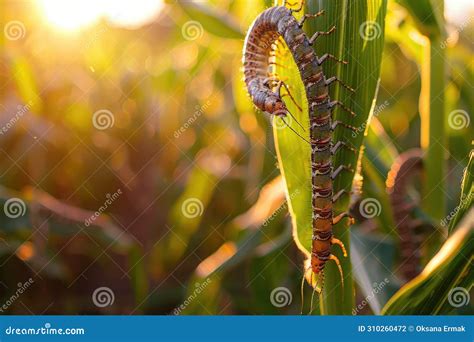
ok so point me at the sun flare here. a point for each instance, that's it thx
(73, 15)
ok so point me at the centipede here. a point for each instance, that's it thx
(278, 24)
(401, 174)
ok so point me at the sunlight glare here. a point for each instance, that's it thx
(72, 15)
(69, 15)
(132, 14)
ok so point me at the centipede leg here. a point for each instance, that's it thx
(336, 123)
(338, 242)
(332, 104)
(339, 267)
(307, 16)
(333, 79)
(339, 194)
(277, 64)
(338, 218)
(340, 144)
(329, 56)
(340, 168)
(318, 34)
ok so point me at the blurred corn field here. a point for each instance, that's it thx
(136, 176)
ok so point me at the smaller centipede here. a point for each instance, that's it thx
(278, 23)
(402, 172)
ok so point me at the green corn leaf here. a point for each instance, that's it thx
(426, 18)
(218, 24)
(466, 200)
(359, 40)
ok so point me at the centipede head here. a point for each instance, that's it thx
(274, 105)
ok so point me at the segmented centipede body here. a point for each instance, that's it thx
(279, 23)
(401, 174)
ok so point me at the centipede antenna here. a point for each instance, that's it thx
(294, 118)
(280, 84)
(293, 129)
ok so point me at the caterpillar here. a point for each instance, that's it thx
(401, 173)
(278, 23)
